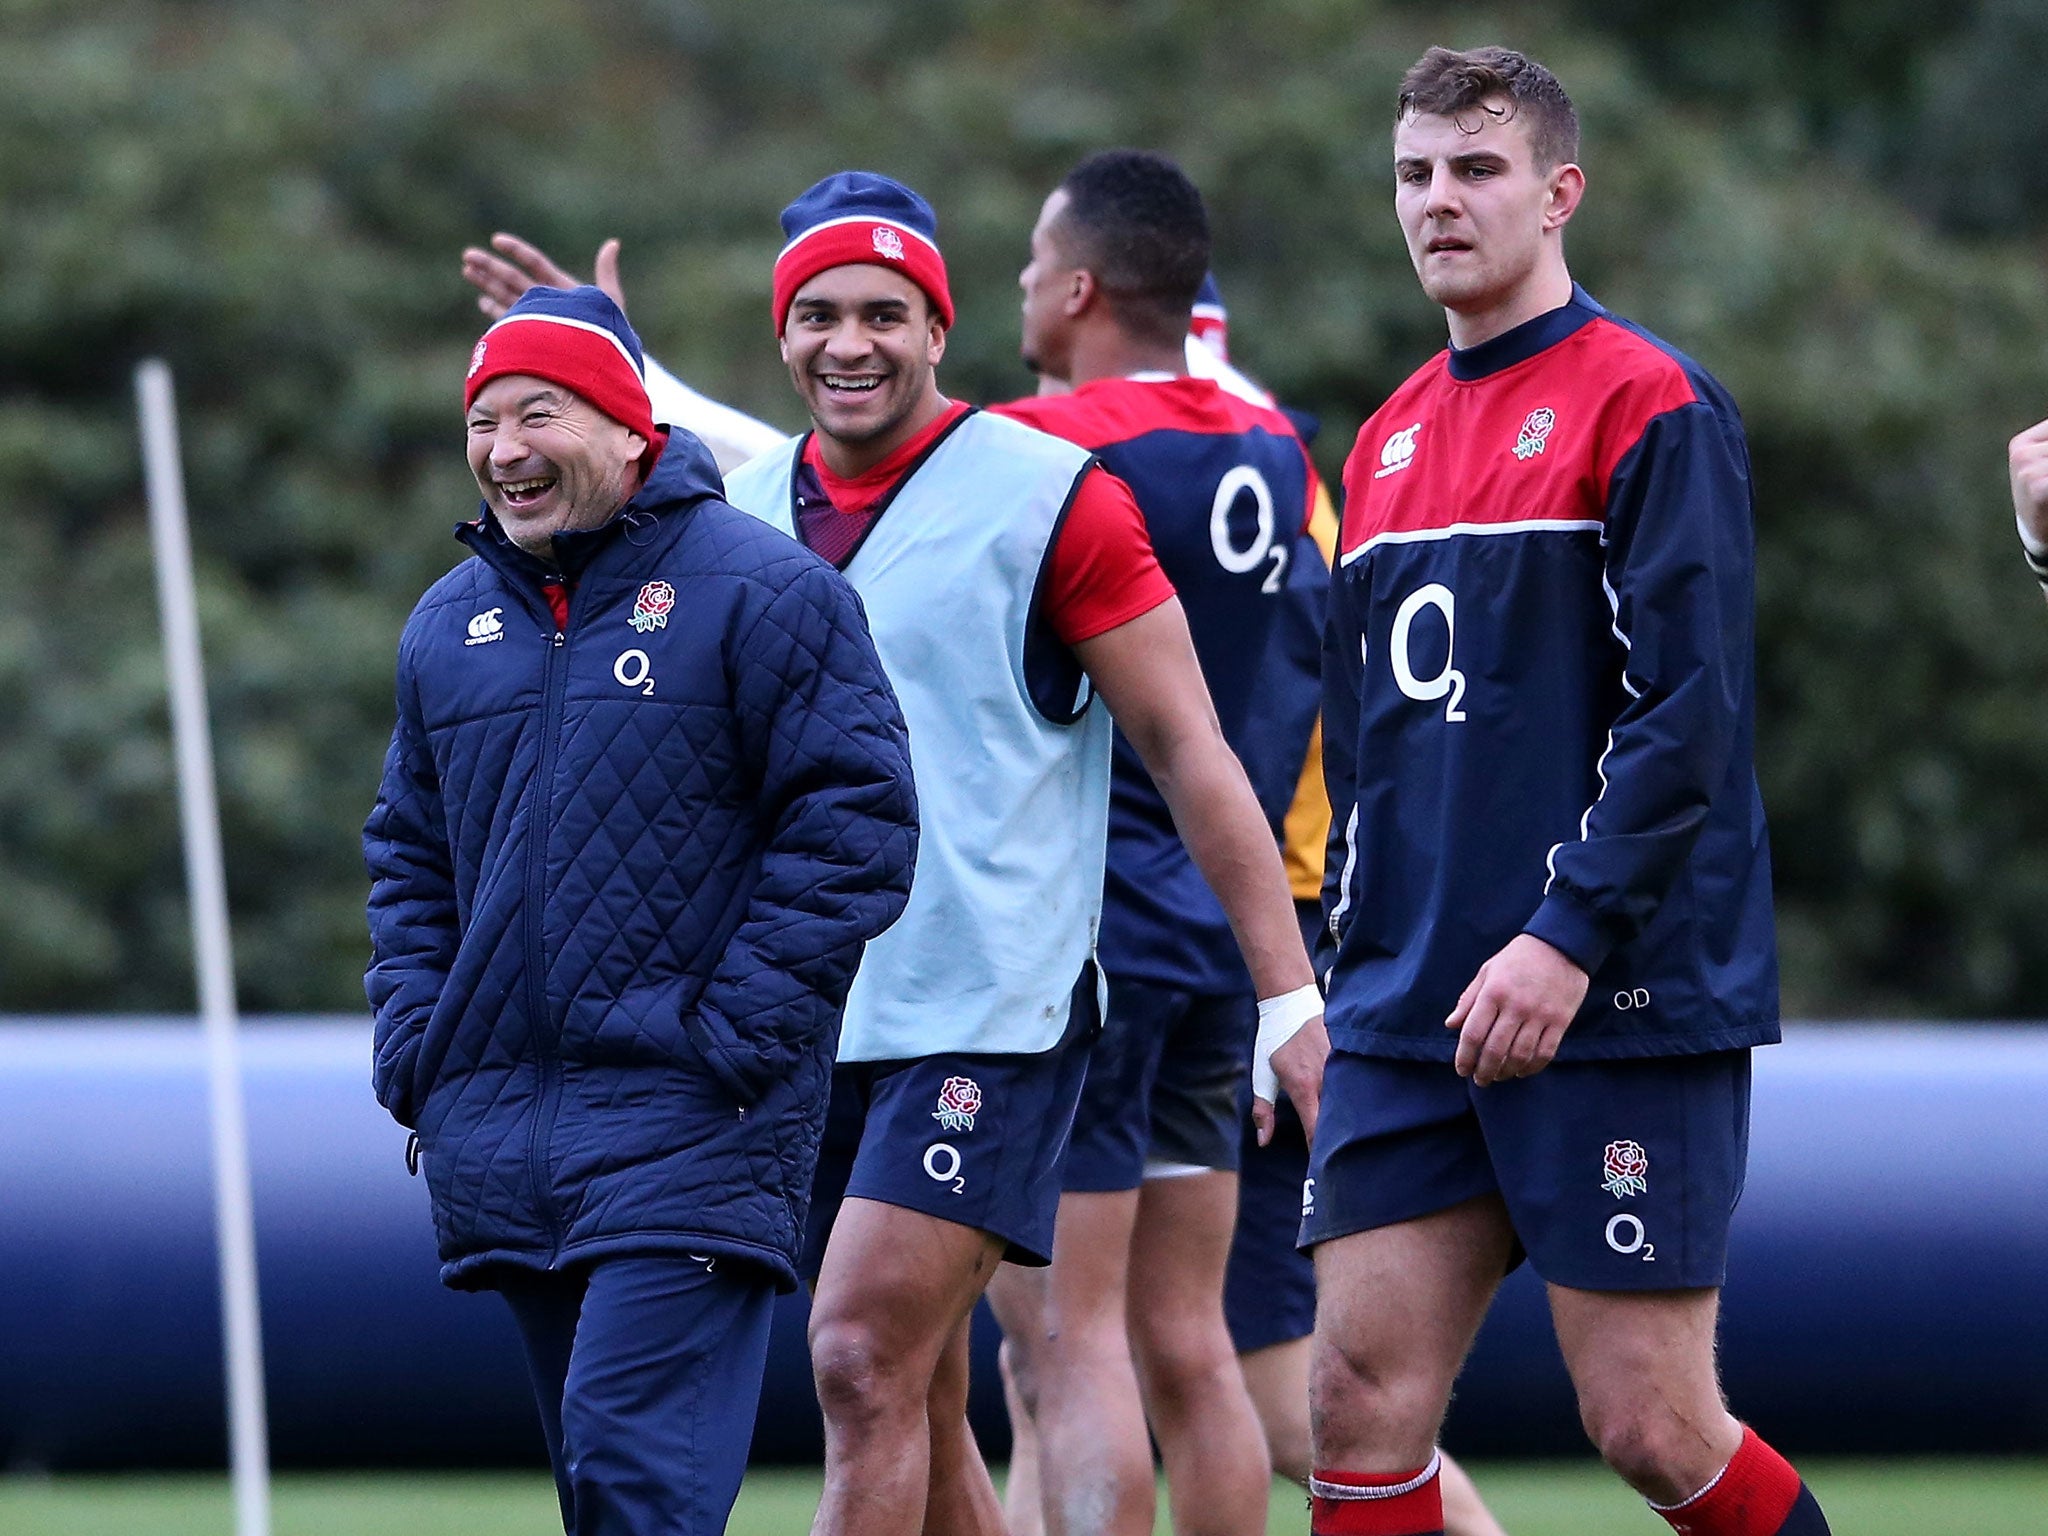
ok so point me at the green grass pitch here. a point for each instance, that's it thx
(1863, 1498)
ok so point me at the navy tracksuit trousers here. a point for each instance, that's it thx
(648, 1373)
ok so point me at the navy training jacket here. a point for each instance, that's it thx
(1539, 693)
(621, 877)
(1225, 487)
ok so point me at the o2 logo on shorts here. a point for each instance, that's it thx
(1625, 1171)
(942, 1163)
(1625, 1236)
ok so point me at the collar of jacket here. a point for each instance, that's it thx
(1525, 340)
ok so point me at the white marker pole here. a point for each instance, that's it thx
(206, 887)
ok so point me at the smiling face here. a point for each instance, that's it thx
(548, 461)
(861, 343)
(1484, 224)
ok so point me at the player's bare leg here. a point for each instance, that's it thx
(1023, 1503)
(1396, 1312)
(1095, 1459)
(1017, 1297)
(961, 1498)
(1643, 1365)
(895, 1286)
(1277, 1378)
(1218, 1479)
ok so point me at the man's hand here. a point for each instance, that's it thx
(1299, 1066)
(2027, 458)
(512, 266)
(1513, 1014)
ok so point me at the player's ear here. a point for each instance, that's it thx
(935, 343)
(1567, 187)
(1082, 291)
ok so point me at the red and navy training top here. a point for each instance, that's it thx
(1538, 696)
(1225, 487)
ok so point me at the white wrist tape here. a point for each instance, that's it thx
(1280, 1020)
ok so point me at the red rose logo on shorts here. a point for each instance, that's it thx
(650, 608)
(959, 1101)
(1627, 1167)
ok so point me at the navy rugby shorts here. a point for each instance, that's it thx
(1163, 1088)
(971, 1137)
(1269, 1288)
(1617, 1175)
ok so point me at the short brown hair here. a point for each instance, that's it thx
(1445, 82)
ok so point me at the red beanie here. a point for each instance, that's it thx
(574, 337)
(857, 218)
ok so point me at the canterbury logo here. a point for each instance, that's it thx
(486, 627)
(1398, 452)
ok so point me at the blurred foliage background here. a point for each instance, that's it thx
(1839, 206)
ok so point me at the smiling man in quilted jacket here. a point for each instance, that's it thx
(648, 797)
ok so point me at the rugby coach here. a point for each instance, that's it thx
(648, 797)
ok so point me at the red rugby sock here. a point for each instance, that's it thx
(1377, 1503)
(1756, 1494)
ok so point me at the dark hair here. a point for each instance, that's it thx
(1135, 220)
(1445, 83)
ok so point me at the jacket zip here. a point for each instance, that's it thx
(554, 684)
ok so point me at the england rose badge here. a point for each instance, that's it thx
(959, 1102)
(1535, 432)
(651, 607)
(1626, 1166)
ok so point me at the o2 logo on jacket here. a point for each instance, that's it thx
(651, 607)
(1223, 541)
(1449, 684)
(633, 669)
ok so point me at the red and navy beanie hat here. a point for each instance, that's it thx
(1210, 322)
(575, 337)
(860, 218)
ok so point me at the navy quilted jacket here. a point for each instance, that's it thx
(621, 877)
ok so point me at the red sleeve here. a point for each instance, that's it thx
(1103, 571)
